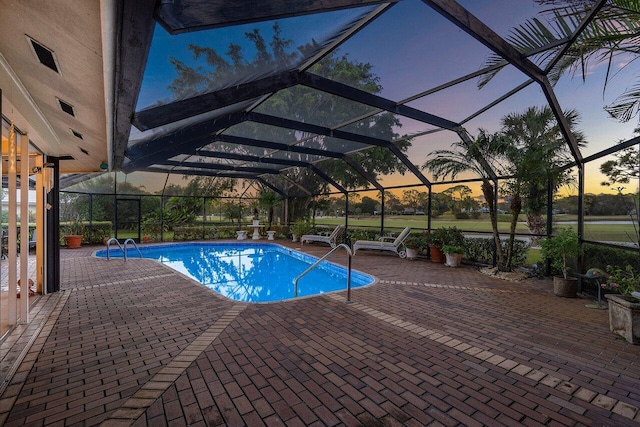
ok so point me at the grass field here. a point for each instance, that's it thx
(596, 232)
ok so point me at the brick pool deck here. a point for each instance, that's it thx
(138, 344)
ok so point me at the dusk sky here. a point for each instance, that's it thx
(413, 49)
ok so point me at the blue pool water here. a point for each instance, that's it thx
(257, 272)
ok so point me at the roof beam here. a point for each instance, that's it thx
(344, 91)
(563, 123)
(218, 166)
(295, 184)
(181, 141)
(576, 33)
(134, 31)
(288, 148)
(161, 115)
(278, 146)
(204, 173)
(348, 136)
(315, 129)
(273, 187)
(366, 175)
(194, 15)
(485, 35)
(252, 158)
(327, 178)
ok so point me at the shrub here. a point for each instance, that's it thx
(462, 215)
(596, 256)
(561, 249)
(481, 250)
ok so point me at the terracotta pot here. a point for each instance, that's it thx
(436, 254)
(624, 316)
(567, 288)
(73, 240)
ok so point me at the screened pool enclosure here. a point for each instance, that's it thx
(349, 99)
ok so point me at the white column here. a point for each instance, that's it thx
(12, 230)
(24, 229)
(40, 208)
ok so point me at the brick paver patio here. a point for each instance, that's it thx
(138, 344)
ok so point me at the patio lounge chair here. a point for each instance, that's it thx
(396, 246)
(331, 239)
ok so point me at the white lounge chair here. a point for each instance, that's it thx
(331, 239)
(396, 246)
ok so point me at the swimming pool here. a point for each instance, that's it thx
(253, 272)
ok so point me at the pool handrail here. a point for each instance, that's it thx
(113, 239)
(133, 242)
(315, 264)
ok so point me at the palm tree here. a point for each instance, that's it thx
(267, 200)
(612, 33)
(475, 157)
(535, 151)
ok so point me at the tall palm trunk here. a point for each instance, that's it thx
(536, 225)
(489, 196)
(516, 208)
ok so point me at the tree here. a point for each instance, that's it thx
(482, 152)
(302, 104)
(440, 204)
(623, 170)
(268, 199)
(368, 205)
(457, 193)
(535, 149)
(613, 33)
(392, 203)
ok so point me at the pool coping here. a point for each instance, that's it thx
(375, 281)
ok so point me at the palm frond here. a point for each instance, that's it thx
(627, 105)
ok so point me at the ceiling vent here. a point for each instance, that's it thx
(84, 151)
(66, 107)
(77, 134)
(44, 55)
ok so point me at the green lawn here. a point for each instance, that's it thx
(596, 232)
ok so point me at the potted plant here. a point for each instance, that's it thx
(435, 241)
(299, 229)
(73, 236)
(414, 244)
(624, 304)
(561, 249)
(442, 236)
(453, 255)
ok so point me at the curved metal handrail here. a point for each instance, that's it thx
(113, 239)
(134, 245)
(314, 265)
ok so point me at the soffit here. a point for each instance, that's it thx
(72, 30)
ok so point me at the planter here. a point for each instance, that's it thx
(567, 288)
(73, 240)
(436, 254)
(453, 259)
(412, 254)
(624, 317)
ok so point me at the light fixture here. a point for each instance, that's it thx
(104, 166)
